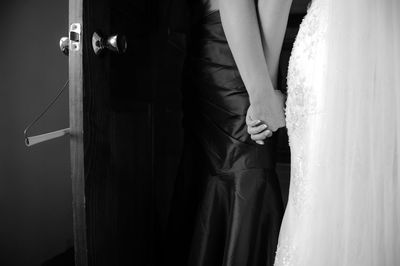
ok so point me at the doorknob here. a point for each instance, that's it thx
(64, 45)
(115, 43)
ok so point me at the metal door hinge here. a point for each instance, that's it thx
(75, 36)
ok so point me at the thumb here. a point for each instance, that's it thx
(249, 119)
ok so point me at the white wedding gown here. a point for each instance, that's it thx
(343, 121)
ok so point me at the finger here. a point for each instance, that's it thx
(274, 128)
(252, 123)
(256, 130)
(269, 133)
(262, 136)
(260, 142)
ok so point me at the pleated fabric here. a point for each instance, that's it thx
(227, 207)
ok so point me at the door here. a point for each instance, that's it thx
(125, 129)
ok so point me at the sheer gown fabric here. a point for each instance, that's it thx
(343, 119)
(228, 208)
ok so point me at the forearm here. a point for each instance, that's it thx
(239, 20)
(273, 18)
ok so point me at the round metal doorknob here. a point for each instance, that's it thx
(114, 43)
(64, 45)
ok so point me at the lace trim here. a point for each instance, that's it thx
(301, 100)
(284, 254)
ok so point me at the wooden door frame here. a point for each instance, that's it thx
(76, 139)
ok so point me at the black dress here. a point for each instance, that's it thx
(227, 206)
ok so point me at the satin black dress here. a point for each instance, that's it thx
(227, 207)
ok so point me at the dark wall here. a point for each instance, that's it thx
(35, 186)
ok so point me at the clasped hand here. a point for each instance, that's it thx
(265, 116)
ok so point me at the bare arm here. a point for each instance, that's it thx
(241, 26)
(273, 18)
(239, 20)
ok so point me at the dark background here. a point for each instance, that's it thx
(35, 185)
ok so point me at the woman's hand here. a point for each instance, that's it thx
(265, 115)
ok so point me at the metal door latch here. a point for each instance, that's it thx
(73, 42)
(75, 31)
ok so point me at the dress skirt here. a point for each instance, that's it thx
(227, 207)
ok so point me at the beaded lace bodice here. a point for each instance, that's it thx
(306, 69)
(301, 73)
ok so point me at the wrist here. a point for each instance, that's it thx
(261, 95)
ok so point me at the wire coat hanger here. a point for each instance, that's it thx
(32, 140)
